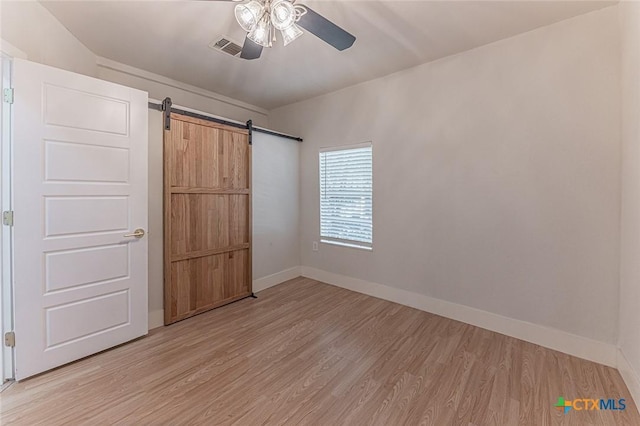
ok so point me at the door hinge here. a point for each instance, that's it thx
(10, 339)
(7, 218)
(7, 95)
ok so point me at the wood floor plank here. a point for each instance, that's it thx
(312, 354)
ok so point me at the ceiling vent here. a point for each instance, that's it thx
(226, 45)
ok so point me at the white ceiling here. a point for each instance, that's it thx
(170, 38)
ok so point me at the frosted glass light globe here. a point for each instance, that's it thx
(291, 33)
(248, 14)
(260, 34)
(283, 14)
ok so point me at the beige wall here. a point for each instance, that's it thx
(31, 28)
(276, 204)
(629, 334)
(160, 87)
(496, 176)
(496, 171)
(205, 102)
(156, 217)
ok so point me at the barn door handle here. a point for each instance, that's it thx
(138, 233)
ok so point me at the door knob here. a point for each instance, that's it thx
(138, 233)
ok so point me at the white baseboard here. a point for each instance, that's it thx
(156, 318)
(552, 338)
(629, 375)
(275, 279)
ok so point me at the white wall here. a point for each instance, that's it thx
(182, 95)
(160, 87)
(496, 177)
(496, 172)
(33, 29)
(629, 334)
(156, 217)
(276, 206)
(28, 26)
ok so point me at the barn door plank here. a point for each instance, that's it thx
(207, 216)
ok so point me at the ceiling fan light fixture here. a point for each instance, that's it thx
(291, 33)
(283, 14)
(248, 14)
(261, 33)
(261, 18)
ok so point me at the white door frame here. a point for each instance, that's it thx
(6, 290)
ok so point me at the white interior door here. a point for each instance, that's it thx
(79, 185)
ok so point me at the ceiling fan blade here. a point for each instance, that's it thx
(326, 30)
(250, 50)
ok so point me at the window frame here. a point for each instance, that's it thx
(337, 241)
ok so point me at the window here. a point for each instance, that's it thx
(346, 185)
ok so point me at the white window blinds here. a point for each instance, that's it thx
(346, 185)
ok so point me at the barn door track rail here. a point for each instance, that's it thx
(167, 108)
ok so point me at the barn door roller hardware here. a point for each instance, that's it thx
(250, 128)
(166, 107)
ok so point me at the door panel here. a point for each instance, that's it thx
(80, 185)
(67, 107)
(101, 163)
(100, 313)
(85, 214)
(207, 216)
(207, 157)
(101, 264)
(208, 221)
(203, 283)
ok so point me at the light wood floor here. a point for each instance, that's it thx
(310, 353)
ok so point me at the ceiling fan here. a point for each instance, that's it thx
(262, 18)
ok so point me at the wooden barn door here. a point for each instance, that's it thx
(207, 222)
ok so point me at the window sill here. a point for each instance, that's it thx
(349, 245)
